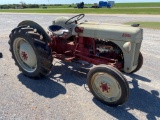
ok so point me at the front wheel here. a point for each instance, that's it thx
(108, 85)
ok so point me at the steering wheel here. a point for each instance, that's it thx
(74, 19)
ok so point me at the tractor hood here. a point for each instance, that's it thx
(108, 31)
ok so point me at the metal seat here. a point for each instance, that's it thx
(57, 30)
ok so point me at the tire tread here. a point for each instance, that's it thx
(44, 54)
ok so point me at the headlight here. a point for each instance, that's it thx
(127, 46)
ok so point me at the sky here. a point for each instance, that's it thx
(68, 1)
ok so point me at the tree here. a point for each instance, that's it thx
(23, 4)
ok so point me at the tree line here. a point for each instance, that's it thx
(19, 6)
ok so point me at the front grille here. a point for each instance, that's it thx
(136, 55)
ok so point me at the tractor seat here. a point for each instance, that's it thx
(57, 30)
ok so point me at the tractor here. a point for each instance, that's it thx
(112, 49)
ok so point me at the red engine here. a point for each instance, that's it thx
(87, 49)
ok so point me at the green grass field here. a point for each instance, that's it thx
(155, 11)
(152, 25)
(119, 8)
(149, 4)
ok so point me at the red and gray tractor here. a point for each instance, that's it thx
(111, 48)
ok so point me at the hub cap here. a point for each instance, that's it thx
(106, 87)
(25, 55)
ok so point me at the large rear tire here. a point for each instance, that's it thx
(108, 85)
(31, 54)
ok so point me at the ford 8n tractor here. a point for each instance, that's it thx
(111, 48)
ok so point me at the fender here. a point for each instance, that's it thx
(129, 56)
(36, 26)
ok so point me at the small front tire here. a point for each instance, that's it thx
(108, 85)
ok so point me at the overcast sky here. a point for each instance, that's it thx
(68, 1)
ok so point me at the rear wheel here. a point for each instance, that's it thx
(31, 54)
(108, 85)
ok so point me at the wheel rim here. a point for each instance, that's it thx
(106, 87)
(25, 55)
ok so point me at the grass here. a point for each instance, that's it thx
(151, 25)
(119, 8)
(149, 4)
(155, 11)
